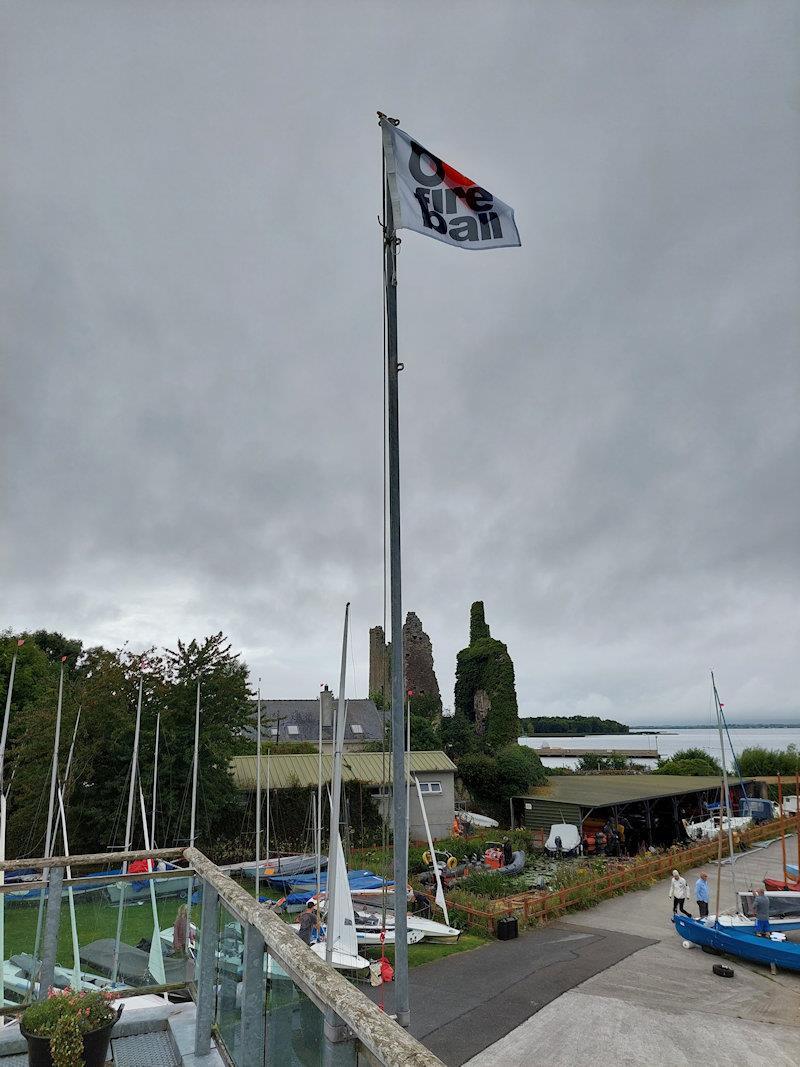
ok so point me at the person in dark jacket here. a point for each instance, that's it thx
(508, 852)
(308, 923)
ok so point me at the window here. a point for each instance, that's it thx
(273, 731)
(430, 787)
(292, 729)
(357, 728)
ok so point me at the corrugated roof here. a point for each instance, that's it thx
(600, 790)
(288, 771)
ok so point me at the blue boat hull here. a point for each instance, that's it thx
(745, 945)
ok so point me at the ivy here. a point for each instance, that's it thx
(486, 667)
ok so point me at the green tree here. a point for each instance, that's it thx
(491, 779)
(224, 711)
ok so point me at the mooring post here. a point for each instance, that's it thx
(339, 1046)
(51, 923)
(207, 947)
(253, 993)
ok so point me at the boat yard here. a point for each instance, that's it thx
(615, 977)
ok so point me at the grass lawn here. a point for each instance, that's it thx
(94, 919)
(425, 952)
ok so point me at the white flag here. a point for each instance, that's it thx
(433, 198)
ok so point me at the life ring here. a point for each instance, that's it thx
(452, 863)
(426, 857)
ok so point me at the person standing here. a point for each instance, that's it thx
(761, 908)
(701, 894)
(679, 893)
(180, 932)
(308, 923)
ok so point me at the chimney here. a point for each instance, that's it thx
(326, 698)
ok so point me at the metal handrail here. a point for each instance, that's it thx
(388, 1042)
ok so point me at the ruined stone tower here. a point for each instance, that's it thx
(379, 665)
(420, 676)
(418, 654)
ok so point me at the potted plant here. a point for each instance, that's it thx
(69, 1028)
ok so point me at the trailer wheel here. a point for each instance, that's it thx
(722, 971)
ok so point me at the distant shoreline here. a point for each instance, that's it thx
(711, 726)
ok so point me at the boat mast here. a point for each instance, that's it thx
(193, 816)
(156, 961)
(48, 848)
(725, 784)
(440, 900)
(783, 831)
(266, 817)
(155, 782)
(408, 773)
(258, 792)
(318, 835)
(3, 738)
(336, 794)
(6, 717)
(128, 828)
(76, 957)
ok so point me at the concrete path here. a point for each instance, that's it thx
(465, 1002)
(663, 1004)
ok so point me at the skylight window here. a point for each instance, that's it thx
(292, 729)
(356, 727)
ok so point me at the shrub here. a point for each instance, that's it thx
(758, 760)
(694, 761)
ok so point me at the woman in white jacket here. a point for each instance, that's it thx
(679, 892)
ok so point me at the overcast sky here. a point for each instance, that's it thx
(599, 430)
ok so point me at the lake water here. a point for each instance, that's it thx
(668, 742)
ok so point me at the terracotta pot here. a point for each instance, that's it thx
(95, 1046)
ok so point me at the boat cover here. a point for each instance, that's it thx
(569, 834)
(133, 962)
(781, 905)
(302, 882)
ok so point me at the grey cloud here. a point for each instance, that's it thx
(599, 429)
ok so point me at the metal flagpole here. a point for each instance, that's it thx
(258, 794)
(393, 367)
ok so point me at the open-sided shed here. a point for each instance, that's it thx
(652, 804)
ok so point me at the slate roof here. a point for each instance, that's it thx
(303, 715)
(288, 771)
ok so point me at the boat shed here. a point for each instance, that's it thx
(651, 806)
(434, 770)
